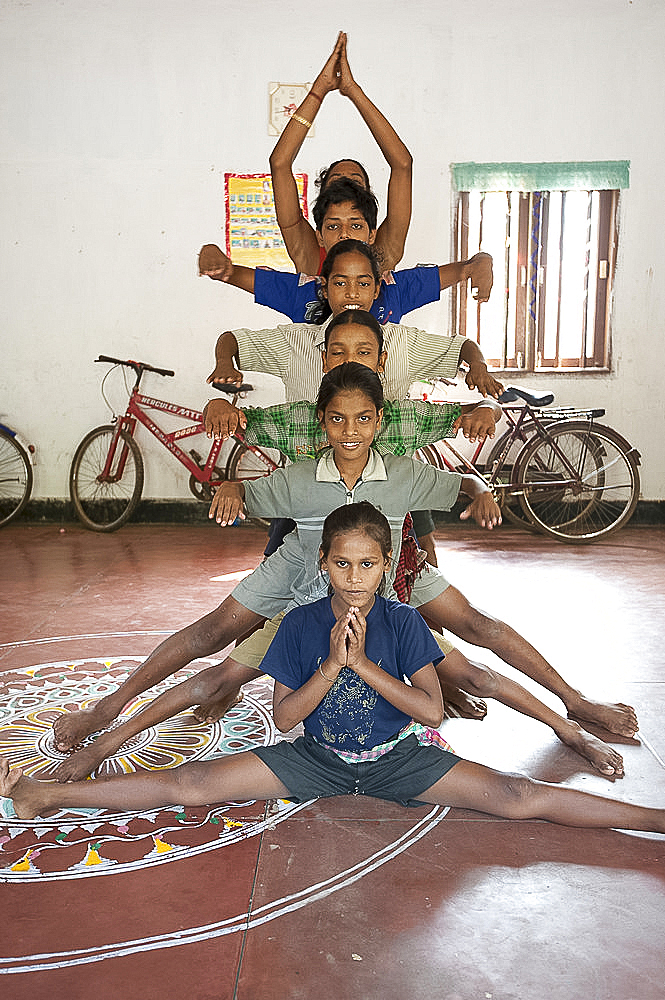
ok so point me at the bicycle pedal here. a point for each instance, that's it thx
(197, 458)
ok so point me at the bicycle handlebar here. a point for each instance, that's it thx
(138, 366)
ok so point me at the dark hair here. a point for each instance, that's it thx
(324, 174)
(351, 246)
(362, 516)
(362, 318)
(348, 377)
(343, 190)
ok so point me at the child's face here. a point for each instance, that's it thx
(351, 284)
(353, 342)
(344, 222)
(350, 422)
(355, 565)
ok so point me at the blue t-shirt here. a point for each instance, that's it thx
(299, 296)
(352, 715)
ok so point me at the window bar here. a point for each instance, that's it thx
(506, 281)
(480, 243)
(585, 300)
(534, 256)
(541, 282)
(519, 360)
(560, 277)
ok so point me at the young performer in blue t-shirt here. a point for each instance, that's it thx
(358, 672)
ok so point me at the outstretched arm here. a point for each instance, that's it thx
(299, 237)
(478, 377)
(478, 268)
(215, 264)
(483, 507)
(221, 418)
(478, 420)
(226, 358)
(391, 234)
(228, 503)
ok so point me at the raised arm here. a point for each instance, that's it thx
(299, 237)
(391, 234)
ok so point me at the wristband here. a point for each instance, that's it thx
(331, 680)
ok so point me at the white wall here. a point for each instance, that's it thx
(120, 117)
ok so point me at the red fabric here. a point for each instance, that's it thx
(411, 560)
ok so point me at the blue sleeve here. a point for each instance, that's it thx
(403, 291)
(294, 295)
(283, 658)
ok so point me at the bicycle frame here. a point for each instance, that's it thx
(517, 416)
(136, 413)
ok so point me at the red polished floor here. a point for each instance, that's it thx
(347, 897)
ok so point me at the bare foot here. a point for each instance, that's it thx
(460, 705)
(26, 793)
(81, 763)
(216, 708)
(70, 729)
(604, 758)
(620, 719)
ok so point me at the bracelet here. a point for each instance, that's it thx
(315, 96)
(301, 121)
(331, 680)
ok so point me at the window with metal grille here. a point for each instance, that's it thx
(551, 229)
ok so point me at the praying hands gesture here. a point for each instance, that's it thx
(347, 641)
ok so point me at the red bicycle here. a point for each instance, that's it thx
(106, 475)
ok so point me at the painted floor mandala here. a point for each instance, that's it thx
(87, 842)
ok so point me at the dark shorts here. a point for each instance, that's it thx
(310, 771)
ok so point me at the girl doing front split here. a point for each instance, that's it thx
(341, 667)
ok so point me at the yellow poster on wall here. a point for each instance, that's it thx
(253, 237)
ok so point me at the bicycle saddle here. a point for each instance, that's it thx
(231, 387)
(512, 393)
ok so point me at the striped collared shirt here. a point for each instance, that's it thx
(293, 352)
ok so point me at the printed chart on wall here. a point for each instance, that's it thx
(253, 237)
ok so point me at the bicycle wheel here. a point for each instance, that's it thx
(510, 502)
(580, 485)
(245, 464)
(105, 504)
(15, 477)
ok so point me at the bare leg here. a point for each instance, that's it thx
(452, 611)
(237, 776)
(479, 679)
(514, 796)
(215, 704)
(206, 636)
(221, 677)
(426, 543)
